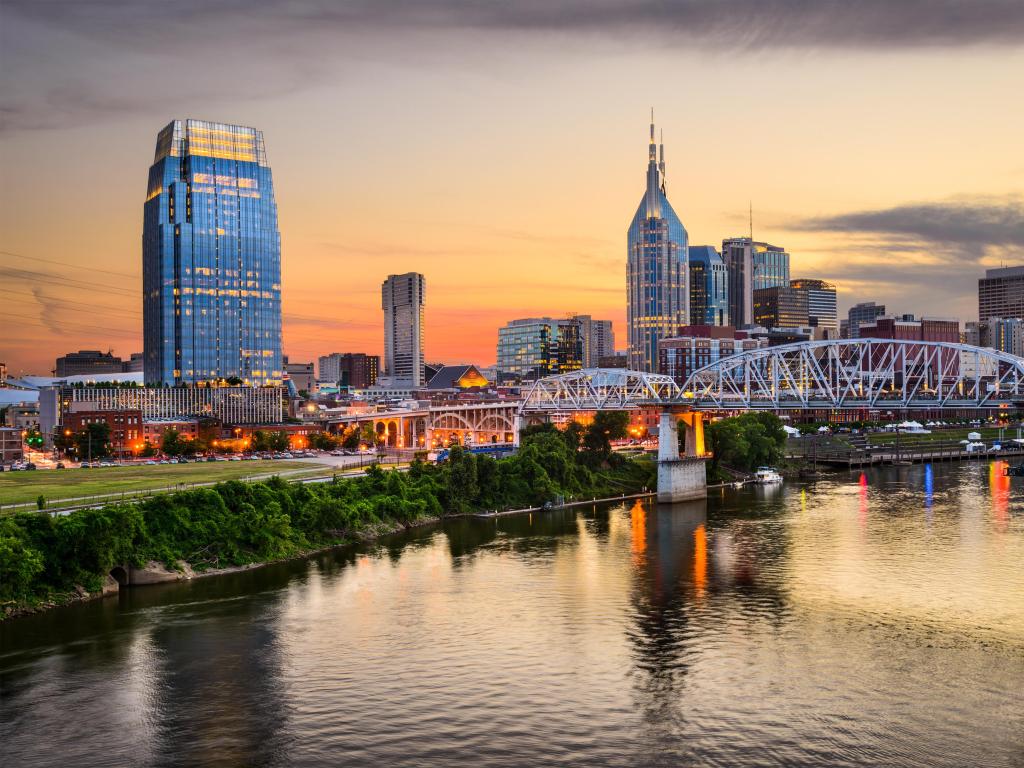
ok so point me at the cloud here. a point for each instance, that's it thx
(926, 256)
(743, 24)
(66, 62)
(971, 223)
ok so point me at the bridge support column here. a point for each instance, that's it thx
(679, 478)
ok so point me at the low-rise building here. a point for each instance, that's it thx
(457, 377)
(153, 429)
(302, 375)
(11, 446)
(232, 405)
(125, 427)
(699, 345)
(22, 416)
(349, 369)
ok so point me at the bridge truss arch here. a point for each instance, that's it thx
(859, 373)
(596, 389)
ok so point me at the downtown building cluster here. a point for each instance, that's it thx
(690, 305)
(212, 315)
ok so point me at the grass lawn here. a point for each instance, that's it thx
(940, 435)
(57, 484)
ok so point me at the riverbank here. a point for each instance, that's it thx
(46, 561)
(158, 573)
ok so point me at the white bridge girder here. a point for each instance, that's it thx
(599, 389)
(836, 374)
(859, 373)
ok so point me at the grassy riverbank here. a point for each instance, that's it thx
(57, 484)
(46, 560)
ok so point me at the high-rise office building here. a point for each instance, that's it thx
(822, 308)
(1005, 334)
(780, 307)
(349, 369)
(709, 287)
(402, 300)
(598, 339)
(1001, 293)
(657, 274)
(752, 265)
(540, 346)
(864, 313)
(211, 258)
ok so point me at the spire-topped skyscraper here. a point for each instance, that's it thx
(657, 272)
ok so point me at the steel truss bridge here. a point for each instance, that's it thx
(826, 375)
(600, 389)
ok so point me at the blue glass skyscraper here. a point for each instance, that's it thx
(211, 258)
(709, 287)
(657, 272)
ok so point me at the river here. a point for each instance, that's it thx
(873, 619)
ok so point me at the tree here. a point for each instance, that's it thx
(63, 440)
(350, 440)
(172, 443)
(93, 442)
(746, 442)
(323, 441)
(463, 488)
(369, 435)
(607, 426)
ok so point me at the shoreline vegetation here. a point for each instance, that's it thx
(48, 561)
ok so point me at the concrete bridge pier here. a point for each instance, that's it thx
(681, 478)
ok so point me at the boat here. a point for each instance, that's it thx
(767, 476)
(738, 484)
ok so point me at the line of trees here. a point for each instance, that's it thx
(234, 523)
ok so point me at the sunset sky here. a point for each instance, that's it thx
(500, 149)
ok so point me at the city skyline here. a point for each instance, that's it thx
(511, 198)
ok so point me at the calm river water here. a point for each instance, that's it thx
(870, 619)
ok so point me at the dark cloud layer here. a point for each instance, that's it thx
(65, 62)
(924, 257)
(706, 23)
(971, 223)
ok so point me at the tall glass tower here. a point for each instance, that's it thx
(657, 272)
(211, 258)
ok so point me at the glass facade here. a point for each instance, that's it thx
(780, 307)
(211, 258)
(657, 271)
(540, 346)
(752, 265)
(822, 308)
(709, 287)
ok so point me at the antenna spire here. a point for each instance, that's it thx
(661, 163)
(751, 223)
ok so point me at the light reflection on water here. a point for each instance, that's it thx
(860, 620)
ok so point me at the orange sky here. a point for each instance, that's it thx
(505, 167)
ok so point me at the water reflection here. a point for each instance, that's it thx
(664, 583)
(789, 627)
